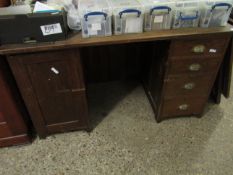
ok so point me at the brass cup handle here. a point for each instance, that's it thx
(189, 86)
(183, 107)
(198, 49)
(195, 67)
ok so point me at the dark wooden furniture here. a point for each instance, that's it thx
(178, 69)
(14, 129)
(52, 85)
(189, 72)
(4, 3)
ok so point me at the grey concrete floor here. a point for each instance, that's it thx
(127, 140)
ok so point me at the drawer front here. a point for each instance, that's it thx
(182, 106)
(197, 86)
(193, 66)
(198, 47)
(4, 130)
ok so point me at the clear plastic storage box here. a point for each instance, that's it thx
(215, 13)
(95, 18)
(187, 14)
(127, 16)
(158, 14)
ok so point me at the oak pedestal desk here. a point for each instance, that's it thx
(180, 70)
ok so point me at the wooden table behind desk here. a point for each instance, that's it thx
(14, 122)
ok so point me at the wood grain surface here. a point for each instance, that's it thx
(76, 40)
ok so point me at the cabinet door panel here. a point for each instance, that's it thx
(56, 90)
(53, 90)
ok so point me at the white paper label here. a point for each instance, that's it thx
(96, 26)
(133, 25)
(158, 19)
(51, 29)
(212, 50)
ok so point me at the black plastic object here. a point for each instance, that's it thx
(27, 28)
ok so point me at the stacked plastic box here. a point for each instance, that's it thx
(127, 16)
(158, 14)
(215, 13)
(132, 16)
(187, 14)
(96, 17)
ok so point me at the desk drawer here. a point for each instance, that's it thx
(198, 47)
(193, 66)
(4, 130)
(197, 86)
(182, 106)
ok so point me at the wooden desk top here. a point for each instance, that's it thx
(78, 41)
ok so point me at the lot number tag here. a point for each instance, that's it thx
(51, 29)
